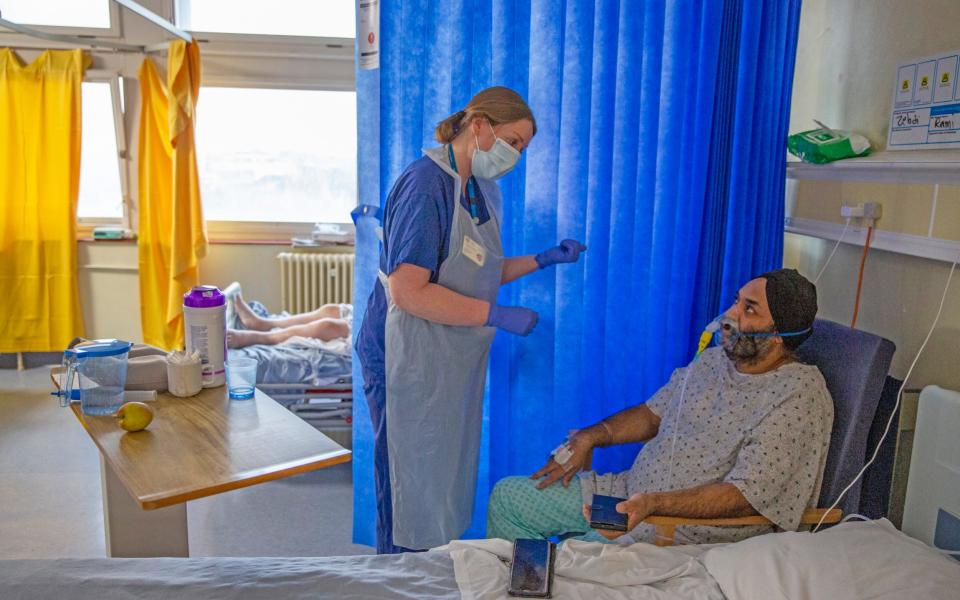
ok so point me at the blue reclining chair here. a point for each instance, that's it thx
(854, 364)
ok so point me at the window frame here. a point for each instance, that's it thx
(329, 64)
(85, 225)
(258, 38)
(241, 61)
(262, 231)
(114, 31)
(333, 56)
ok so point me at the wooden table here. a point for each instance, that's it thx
(195, 447)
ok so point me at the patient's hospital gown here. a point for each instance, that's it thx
(766, 434)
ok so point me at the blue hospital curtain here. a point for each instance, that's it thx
(662, 129)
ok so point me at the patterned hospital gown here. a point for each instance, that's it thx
(766, 434)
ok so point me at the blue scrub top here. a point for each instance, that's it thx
(416, 231)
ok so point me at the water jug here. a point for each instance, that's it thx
(100, 366)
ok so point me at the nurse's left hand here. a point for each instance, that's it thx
(567, 252)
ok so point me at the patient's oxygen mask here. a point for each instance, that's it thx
(718, 329)
(726, 332)
(736, 344)
(709, 333)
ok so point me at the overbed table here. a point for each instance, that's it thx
(195, 447)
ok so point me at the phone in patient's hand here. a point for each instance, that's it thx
(531, 575)
(604, 515)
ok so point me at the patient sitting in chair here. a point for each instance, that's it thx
(741, 431)
(326, 323)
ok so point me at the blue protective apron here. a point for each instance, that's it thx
(435, 382)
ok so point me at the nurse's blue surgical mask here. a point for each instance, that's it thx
(496, 162)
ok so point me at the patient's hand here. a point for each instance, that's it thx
(582, 447)
(638, 507)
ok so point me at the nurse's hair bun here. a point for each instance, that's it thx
(496, 104)
(448, 128)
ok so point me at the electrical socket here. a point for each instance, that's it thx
(851, 212)
(868, 211)
(872, 210)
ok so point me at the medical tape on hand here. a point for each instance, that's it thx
(562, 453)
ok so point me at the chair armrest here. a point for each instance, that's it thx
(811, 516)
(666, 526)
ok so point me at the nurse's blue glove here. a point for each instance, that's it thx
(567, 252)
(512, 319)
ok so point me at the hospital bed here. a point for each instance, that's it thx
(314, 381)
(848, 562)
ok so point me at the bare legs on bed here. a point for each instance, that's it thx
(323, 324)
(321, 329)
(253, 322)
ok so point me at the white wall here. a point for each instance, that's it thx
(846, 62)
(848, 53)
(110, 290)
(899, 299)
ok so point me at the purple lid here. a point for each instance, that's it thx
(204, 296)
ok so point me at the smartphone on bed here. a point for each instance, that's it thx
(604, 515)
(531, 575)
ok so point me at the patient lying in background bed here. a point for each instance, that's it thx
(291, 356)
(328, 323)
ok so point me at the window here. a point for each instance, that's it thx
(100, 196)
(58, 13)
(277, 155)
(321, 18)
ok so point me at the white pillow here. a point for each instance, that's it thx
(854, 560)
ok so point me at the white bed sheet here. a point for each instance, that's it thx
(403, 577)
(588, 571)
(852, 561)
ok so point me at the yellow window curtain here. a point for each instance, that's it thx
(39, 183)
(172, 235)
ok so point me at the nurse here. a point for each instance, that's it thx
(430, 321)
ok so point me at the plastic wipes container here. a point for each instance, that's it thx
(205, 330)
(824, 145)
(241, 378)
(101, 367)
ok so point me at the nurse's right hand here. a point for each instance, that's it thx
(518, 320)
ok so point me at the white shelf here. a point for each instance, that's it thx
(902, 243)
(904, 166)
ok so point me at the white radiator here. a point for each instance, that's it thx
(310, 280)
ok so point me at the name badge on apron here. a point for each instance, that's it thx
(474, 251)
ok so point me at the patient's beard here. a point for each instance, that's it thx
(748, 350)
